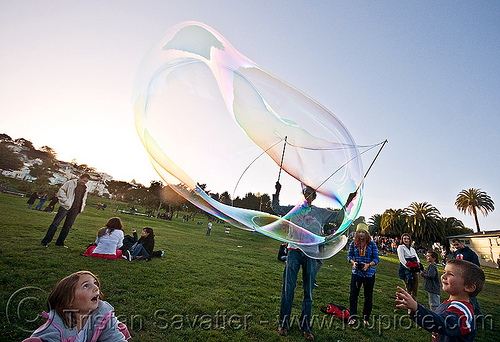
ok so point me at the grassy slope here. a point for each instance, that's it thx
(225, 287)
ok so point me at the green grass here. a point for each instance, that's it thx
(225, 287)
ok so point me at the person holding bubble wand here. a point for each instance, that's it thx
(313, 219)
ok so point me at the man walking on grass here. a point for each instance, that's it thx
(72, 197)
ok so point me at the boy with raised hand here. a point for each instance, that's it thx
(453, 320)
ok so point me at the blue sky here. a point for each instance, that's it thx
(424, 75)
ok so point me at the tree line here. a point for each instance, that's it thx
(422, 220)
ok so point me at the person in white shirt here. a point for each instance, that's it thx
(409, 263)
(109, 240)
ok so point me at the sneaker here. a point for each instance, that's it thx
(162, 252)
(63, 246)
(315, 284)
(127, 255)
(308, 335)
(282, 331)
(44, 245)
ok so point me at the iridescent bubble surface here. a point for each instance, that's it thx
(205, 113)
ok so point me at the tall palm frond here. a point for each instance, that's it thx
(469, 201)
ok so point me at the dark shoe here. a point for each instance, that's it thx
(352, 322)
(44, 245)
(282, 331)
(63, 246)
(308, 335)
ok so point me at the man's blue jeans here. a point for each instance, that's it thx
(294, 260)
(70, 215)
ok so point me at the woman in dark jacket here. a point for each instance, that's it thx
(143, 248)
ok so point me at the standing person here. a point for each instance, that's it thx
(312, 219)
(465, 253)
(77, 312)
(52, 203)
(42, 201)
(109, 240)
(209, 228)
(72, 196)
(408, 265)
(32, 199)
(431, 281)
(363, 255)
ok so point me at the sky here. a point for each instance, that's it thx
(423, 75)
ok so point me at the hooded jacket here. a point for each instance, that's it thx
(103, 326)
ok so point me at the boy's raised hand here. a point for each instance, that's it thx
(405, 300)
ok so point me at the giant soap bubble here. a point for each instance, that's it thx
(209, 115)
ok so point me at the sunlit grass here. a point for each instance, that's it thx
(223, 287)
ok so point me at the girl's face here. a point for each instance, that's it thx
(362, 237)
(406, 240)
(144, 233)
(452, 280)
(86, 297)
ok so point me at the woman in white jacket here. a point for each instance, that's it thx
(408, 265)
(109, 240)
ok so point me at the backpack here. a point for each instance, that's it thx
(337, 311)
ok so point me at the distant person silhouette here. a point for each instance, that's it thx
(42, 201)
(32, 199)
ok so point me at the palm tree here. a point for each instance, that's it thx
(453, 226)
(393, 222)
(374, 224)
(469, 201)
(424, 222)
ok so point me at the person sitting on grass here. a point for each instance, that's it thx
(142, 249)
(108, 242)
(454, 319)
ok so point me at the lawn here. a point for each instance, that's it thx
(223, 287)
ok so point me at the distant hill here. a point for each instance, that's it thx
(21, 160)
